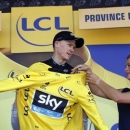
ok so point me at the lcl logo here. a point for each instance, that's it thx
(63, 91)
(36, 26)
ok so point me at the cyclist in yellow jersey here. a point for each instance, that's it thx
(58, 64)
(66, 52)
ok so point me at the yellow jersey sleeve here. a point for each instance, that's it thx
(30, 77)
(87, 102)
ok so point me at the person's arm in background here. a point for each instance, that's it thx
(109, 91)
(102, 89)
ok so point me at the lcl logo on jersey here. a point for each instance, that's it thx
(48, 105)
(65, 91)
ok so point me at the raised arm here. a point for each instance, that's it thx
(109, 91)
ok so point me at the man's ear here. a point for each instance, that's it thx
(56, 44)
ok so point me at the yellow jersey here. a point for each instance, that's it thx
(53, 101)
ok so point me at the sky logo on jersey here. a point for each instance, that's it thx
(30, 33)
(49, 105)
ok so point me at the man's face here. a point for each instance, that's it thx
(65, 49)
(127, 69)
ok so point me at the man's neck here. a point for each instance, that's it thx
(58, 61)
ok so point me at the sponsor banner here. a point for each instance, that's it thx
(91, 36)
(104, 17)
(5, 30)
(101, 36)
(33, 28)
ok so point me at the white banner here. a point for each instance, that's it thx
(104, 18)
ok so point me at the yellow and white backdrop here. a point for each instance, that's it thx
(29, 30)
